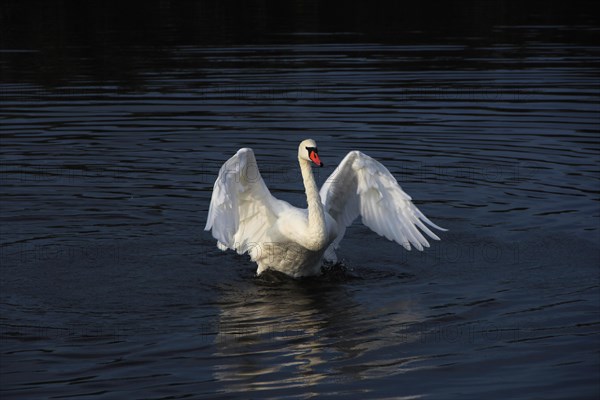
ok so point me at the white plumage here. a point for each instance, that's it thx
(245, 217)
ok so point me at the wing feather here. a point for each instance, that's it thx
(241, 208)
(361, 186)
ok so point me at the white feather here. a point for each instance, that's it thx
(361, 186)
(242, 208)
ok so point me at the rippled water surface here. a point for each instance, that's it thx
(111, 289)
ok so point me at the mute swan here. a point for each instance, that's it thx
(244, 216)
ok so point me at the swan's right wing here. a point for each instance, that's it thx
(241, 208)
(361, 186)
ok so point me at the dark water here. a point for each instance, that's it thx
(112, 135)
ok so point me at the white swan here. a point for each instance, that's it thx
(245, 217)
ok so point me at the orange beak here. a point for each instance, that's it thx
(315, 158)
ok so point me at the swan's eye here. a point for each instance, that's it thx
(312, 149)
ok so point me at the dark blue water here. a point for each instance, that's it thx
(112, 136)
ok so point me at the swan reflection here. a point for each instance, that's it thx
(291, 333)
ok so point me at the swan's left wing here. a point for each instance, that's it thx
(241, 208)
(362, 186)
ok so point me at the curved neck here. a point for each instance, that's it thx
(316, 218)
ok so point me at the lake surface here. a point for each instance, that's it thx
(110, 146)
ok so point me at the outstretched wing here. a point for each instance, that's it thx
(362, 186)
(241, 208)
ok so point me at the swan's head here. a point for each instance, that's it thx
(308, 151)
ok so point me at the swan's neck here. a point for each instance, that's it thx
(316, 234)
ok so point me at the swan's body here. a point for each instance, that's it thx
(245, 217)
